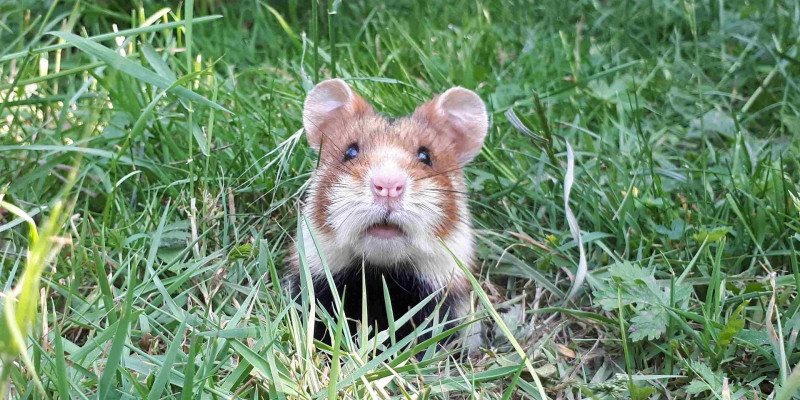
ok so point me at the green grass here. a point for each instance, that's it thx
(175, 155)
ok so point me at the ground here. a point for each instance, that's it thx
(152, 165)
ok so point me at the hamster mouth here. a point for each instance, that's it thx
(384, 230)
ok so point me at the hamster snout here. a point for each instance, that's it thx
(388, 185)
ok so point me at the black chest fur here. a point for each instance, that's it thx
(405, 291)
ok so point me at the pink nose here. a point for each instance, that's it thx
(388, 185)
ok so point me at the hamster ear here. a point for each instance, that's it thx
(461, 115)
(330, 101)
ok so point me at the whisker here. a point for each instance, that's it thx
(442, 191)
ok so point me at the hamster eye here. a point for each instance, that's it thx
(351, 152)
(424, 155)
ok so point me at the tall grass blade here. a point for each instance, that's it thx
(125, 65)
(569, 178)
(164, 372)
(487, 304)
(97, 38)
(115, 353)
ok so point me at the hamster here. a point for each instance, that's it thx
(382, 195)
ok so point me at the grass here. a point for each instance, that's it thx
(169, 139)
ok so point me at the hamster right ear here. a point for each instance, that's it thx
(460, 115)
(331, 100)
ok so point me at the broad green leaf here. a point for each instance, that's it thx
(640, 393)
(728, 332)
(713, 236)
(634, 285)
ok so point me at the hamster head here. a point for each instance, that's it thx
(388, 189)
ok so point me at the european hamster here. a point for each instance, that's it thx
(383, 193)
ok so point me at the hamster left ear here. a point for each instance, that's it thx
(330, 102)
(461, 115)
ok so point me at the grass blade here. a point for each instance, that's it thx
(569, 178)
(115, 353)
(337, 343)
(125, 65)
(187, 390)
(61, 364)
(487, 304)
(166, 368)
(97, 38)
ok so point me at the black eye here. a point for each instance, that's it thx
(351, 152)
(424, 155)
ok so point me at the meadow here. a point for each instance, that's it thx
(152, 164)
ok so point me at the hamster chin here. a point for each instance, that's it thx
(385, 243)
(386, 252)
